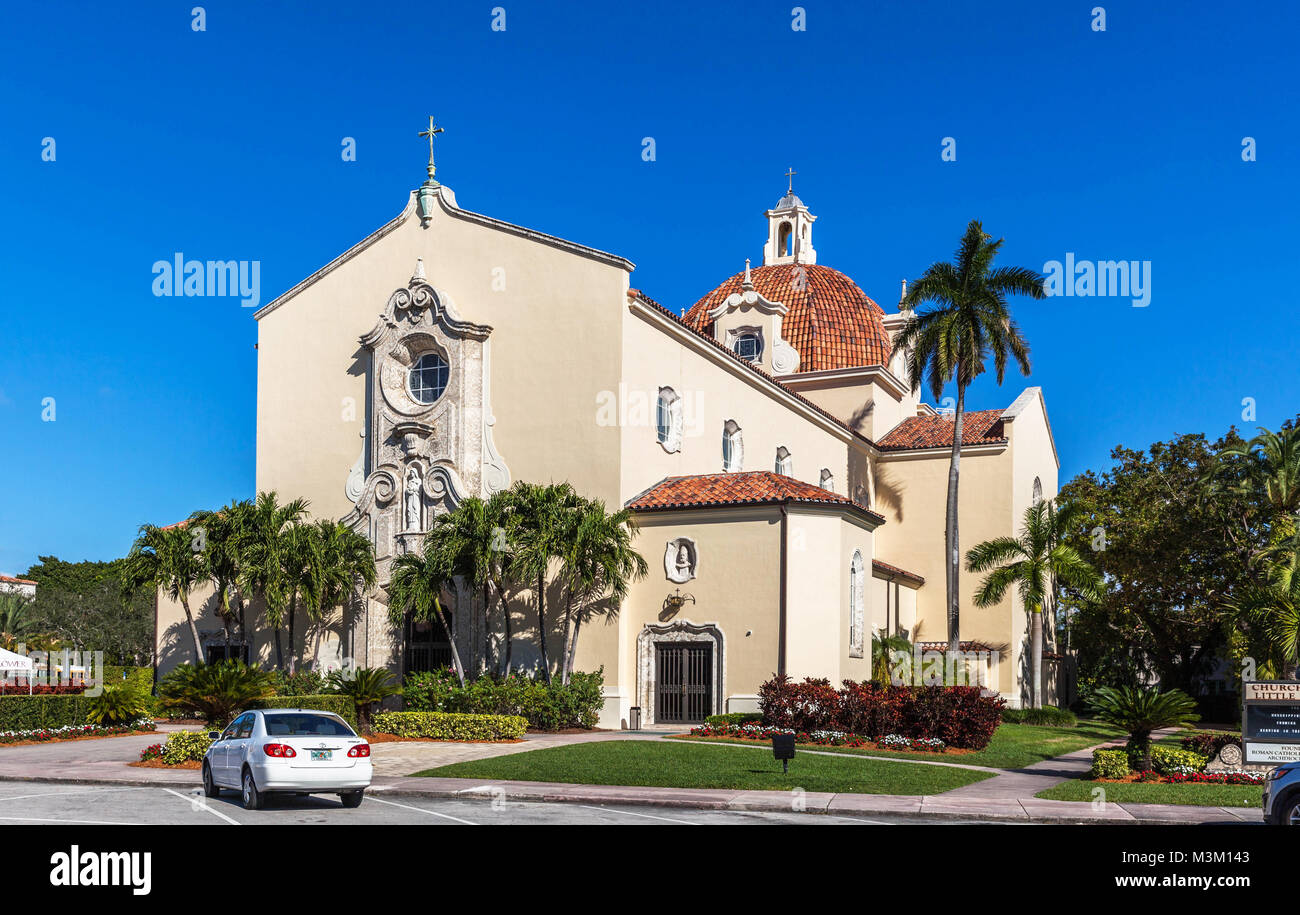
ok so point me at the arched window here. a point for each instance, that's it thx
(857, 588)
(749, 347)
(784, 462)
(827, 479)
(733, 447)
(784, 240)
(1038, 490)
(427, 378)
(668, 419)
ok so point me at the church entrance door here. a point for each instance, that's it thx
(683, 682)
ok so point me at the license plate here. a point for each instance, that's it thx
(321, 754)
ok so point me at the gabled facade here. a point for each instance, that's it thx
(787, 482)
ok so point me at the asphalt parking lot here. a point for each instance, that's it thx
(110, 805)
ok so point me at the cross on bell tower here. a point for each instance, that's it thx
(789, 229)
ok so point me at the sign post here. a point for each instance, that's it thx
(1270, 722)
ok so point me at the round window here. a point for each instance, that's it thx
(428, 378)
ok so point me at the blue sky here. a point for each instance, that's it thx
(225, 144)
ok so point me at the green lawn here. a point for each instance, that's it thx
(1013, 746)
(1080, 789)
(683, 765)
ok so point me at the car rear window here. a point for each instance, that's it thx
(303, 724)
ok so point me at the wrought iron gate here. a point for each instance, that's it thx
(683, 682)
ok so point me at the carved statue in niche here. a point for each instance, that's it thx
(680, 560)
(412, 499)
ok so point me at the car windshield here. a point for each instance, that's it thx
(300, 724)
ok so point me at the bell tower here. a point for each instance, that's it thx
(789, 230)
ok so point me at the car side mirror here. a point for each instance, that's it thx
(214, 735)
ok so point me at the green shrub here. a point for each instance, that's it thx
(451, 726)
(215, 691)
(339, 705)
(1109, 764)
(366, 687)
(28, 713)
(547, 708)
(183, 746)
(116, 705)
(1048, 716)
(737, 718)
(1167, 760)
(139, 677)
(299, 683)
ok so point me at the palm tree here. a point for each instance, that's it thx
(227, 533)
(541, 515)
(261, 544)
(365, 686)
(469, 539)
(1273, 468)
(14, 623)
(1141, 711)
(884, 649)
(296, 551)
(340, 565)
(1034, 562)
(415, 586)
(169, 559)
(1275, 603)
(950, 342)
(598, 562)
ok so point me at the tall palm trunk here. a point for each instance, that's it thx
(541, 626)
(952, 542)
(243, 628)
(293, 645)
(1036, 652)
(279, 650)
(451, 641)
(509, 631)
(565, 631)
(194, 629)
(487, 628)
(572, 645)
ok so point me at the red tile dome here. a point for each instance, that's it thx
(831, 322)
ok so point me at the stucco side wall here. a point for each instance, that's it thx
(736, 589)
(914, 493)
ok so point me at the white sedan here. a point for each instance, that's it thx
(289, 751)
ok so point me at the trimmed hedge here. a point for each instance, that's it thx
(1109, 764)
(733, 718)
(547, 708)
(339, 705)
(1048, 716)
(1120, 762)
(28, 713)
(139, 677)
(451, 725)
(184, 746)
(960, 716)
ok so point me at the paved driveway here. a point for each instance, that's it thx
(103, 758)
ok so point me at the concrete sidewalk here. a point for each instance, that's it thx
(941, 806)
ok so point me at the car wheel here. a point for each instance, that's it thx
(352, 798)
(251, 796)
(1291, 811)
(210, 788)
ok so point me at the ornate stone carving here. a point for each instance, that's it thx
(681, 558)
(423, 457)
(677, 631)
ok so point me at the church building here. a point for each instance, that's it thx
(787, 483)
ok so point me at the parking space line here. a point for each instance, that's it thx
(435, 813)
(64, 820)
(23, 797)
(643, 815)
(202, 805)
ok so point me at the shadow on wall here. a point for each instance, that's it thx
(889, 494)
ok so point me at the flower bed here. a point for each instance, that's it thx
(74, 732)
(821, 737)
(959, 716)
(13, 689)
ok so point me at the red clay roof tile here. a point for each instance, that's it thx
(979, 427)
(755, 487)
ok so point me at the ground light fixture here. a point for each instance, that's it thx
(783, 749)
